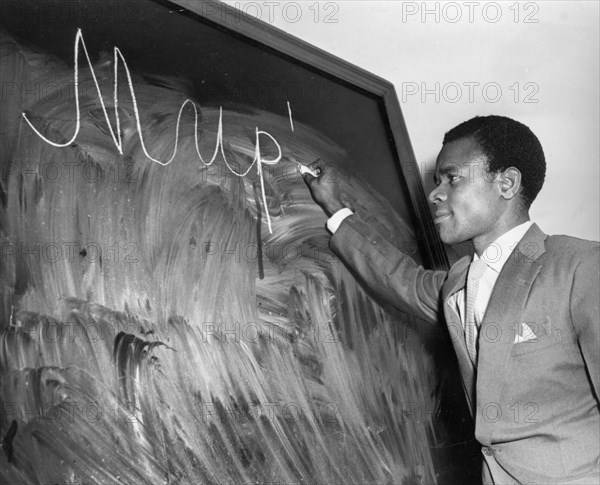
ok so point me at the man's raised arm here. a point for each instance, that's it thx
(385, 269)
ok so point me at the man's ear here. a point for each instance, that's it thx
(510, 182)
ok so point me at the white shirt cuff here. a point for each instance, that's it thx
(333, 223)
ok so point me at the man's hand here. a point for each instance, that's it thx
(330, 188)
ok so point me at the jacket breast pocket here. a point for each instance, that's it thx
(537, 344)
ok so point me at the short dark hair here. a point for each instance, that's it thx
(506, 143)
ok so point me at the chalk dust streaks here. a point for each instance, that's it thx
(154, 330)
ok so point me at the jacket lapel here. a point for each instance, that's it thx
(456, 281)
(504, 311)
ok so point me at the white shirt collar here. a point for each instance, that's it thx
(498, 252)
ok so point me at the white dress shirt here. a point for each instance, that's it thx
(336, 219)
(495, 256)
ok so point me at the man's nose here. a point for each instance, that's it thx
(437, 195)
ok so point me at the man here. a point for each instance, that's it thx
(523, 315)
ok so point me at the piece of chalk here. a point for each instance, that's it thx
(304, 169)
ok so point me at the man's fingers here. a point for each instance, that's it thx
(317, 166)
(308, 178)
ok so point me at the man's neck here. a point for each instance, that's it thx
(482, 242)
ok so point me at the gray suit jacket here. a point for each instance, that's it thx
(535, 403)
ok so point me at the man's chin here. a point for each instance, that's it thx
(448, 238)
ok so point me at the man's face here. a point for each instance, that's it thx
(467, 199)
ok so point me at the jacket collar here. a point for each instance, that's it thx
(457, 277)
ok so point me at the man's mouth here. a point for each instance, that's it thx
(441, 216)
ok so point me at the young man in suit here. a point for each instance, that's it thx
(523, 314)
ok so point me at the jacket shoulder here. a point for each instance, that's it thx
(569, 245)
(571, 252)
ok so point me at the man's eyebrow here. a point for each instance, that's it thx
(441, 172)
(447, 169)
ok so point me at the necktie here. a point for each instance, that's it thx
(476, 271)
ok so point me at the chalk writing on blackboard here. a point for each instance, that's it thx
(290, 115)
(257, 161)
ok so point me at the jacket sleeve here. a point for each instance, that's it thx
(585, 313)
(387, 271)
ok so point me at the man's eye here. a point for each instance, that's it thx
(453, 178)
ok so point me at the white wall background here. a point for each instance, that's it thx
(537, 62)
